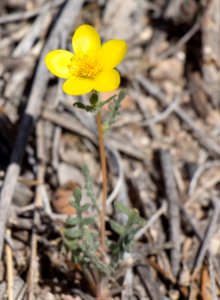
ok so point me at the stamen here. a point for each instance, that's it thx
(84, 67)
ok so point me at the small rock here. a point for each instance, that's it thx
(67, 173)
(22, 195)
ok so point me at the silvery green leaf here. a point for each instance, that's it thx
(117, 227)
(122, 208)
(72, 233)
(77, 194)
(89, 186)
(122, 94)
(72, 221)
(88, 221)
(84, 207)
(73, 245)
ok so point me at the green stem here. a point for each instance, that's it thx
(104, 178)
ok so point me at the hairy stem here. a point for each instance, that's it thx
(104, 178)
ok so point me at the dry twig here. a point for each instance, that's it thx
(21, 16)
(208, 143)
(64, 25)
(10, 273)
(172, 209)
(150, 285)
(38, 206)
(206, 240)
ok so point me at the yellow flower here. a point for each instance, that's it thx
(91, 67)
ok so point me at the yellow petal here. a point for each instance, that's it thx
(76, 86)
(58, 61)
(112, 53)
(107, 81)
(86, 40)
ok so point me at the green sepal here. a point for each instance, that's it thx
(94, 99)
(88, 108)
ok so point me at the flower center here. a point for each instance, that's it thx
(84, 67)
